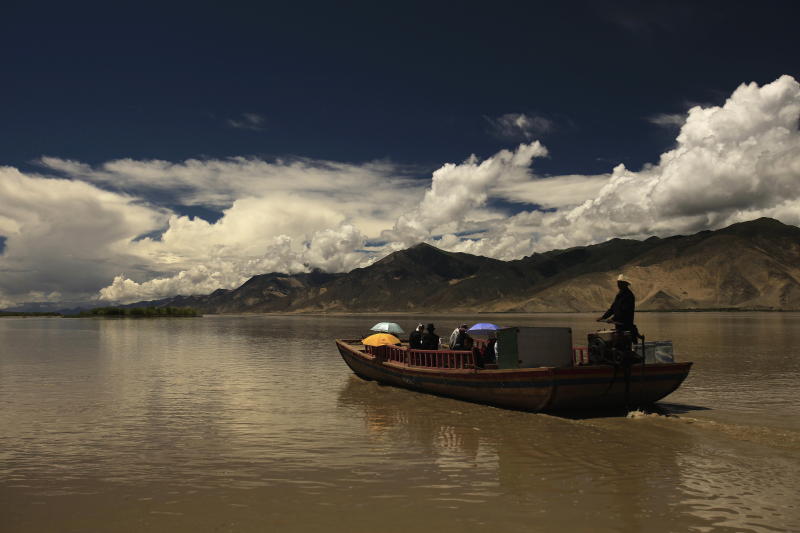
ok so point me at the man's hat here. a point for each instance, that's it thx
(623, 279)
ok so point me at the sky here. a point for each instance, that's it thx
(154, 149)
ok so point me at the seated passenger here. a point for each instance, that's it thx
(415, 339)
(430, 340)
(454, 336)
(489, 351)
(463, 340)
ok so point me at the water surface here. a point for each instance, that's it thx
(250, 423)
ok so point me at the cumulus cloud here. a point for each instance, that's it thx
(519, 126)
(554, 192)
(286, 216)
(332, 250)
(733, 162)
(65, 236)
(209, 274)
(82, 233)
(233, 248)
(458, 190)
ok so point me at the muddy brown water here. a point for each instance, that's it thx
(254, 423)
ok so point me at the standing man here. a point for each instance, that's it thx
(623, 307)
(622, 310)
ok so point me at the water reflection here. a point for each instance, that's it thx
(614, 474)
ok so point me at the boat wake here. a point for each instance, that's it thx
(765, 435)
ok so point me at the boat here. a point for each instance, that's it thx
(537, 370)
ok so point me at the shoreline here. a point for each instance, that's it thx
(23, 314)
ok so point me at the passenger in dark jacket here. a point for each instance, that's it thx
(415, 339)
(430, 340)
(623, 307)
(489, 354)
(463, 340)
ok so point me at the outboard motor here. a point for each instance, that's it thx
(614, 347)
(601, 345)
(611, 347)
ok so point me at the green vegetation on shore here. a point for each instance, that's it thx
(140, 312)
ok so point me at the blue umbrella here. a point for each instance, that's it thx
(483, 327)
(388, 327)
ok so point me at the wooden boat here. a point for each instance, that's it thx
(543, 388)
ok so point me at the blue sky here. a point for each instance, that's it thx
(181, 127)
(411, 82)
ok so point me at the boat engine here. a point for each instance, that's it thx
(611, 347)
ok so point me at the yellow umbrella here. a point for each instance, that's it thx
(379, 339)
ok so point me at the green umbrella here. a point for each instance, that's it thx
(388, 327)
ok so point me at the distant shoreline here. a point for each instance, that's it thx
(192, 313)
(28, 314)
(506, 313)
(114, 312)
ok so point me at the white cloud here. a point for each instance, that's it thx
(555, 192)
(730, 163)
(65, 236)
(209, 274)
(284, 216)
(293, 232)
(332, 250)
(219, 183)
(457, 190)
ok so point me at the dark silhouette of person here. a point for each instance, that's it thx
(415, 339)
(463, 340)
(623, 306)
(622, 310)
(489, 355)
(430, 340)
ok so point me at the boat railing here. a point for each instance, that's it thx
(441, 358)
(451, 359)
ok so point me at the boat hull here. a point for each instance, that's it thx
(529, 389)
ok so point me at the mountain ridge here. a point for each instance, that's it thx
(748, 265)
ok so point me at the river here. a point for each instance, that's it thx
(254, 423)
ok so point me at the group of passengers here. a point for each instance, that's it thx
(425, 338)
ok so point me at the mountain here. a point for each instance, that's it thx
(751, 265)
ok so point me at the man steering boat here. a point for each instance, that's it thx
(623, 306)
(621, 314)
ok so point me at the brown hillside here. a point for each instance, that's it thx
(752, 265)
